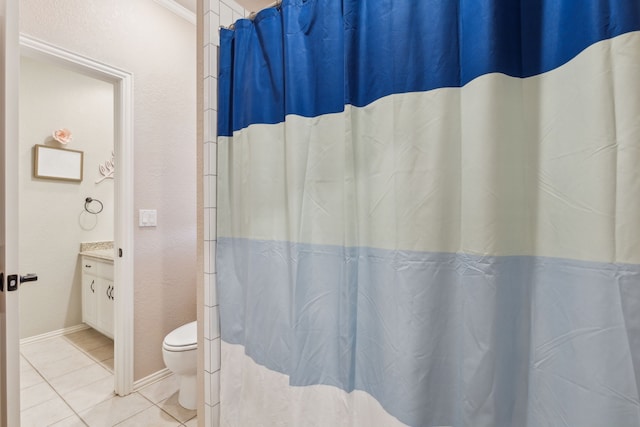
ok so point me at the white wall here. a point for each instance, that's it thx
(52, 217)
(159, 48)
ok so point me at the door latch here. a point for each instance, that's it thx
(12, 282)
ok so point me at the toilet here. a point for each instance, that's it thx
(179, 352)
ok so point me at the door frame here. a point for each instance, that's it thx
(9, 301)
(123, 193)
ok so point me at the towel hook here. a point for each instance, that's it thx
(87, 208)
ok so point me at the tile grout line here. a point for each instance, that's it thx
(89, 354)
(94, 361)
(162, 410)
(56, 392)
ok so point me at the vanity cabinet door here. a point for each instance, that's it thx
(89, 288)
(98, 295)
(105, 307)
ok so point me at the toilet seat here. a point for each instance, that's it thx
(184, 338)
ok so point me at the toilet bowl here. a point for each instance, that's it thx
(179, 352)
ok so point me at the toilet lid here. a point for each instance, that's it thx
(183, 338)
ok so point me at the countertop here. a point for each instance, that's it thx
(103, 254)
(99, 250)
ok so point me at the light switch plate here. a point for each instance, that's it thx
(148, 218)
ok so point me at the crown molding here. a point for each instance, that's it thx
(178, 9)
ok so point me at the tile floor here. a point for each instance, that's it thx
(67, 381)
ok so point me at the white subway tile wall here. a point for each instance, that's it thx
(226, 14)
(216, 13)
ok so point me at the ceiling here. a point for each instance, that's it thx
(250, 5)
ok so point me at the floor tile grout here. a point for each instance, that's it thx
(159, 407)
(55, 391)
(94, 405)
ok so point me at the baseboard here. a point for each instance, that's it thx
(157, 376)
(45, 336)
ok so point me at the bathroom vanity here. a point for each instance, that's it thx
(98, 289)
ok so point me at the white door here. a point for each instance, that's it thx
(9, 334)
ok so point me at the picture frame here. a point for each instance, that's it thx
(57, 163)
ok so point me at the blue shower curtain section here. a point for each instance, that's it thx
(400, 213)
(335, 53)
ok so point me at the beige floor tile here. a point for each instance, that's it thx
(72, 421)
(193, 422)
(29, 377)
(88, 339)
(172, 406)
(115, 410)
(90, 395)
(107, 364)
(151, 417)
(161, 390)
(24, 364)
(82, 335)
(45, 414)
(35, 395)
(44, 352)
(77, 368)
(64, 365)
(52, 343)
(79, 378)
(101, 353)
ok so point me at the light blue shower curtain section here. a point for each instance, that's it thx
(429, 214)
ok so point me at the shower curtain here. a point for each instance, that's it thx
(429, 214)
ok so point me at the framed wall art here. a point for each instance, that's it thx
(57, 163)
